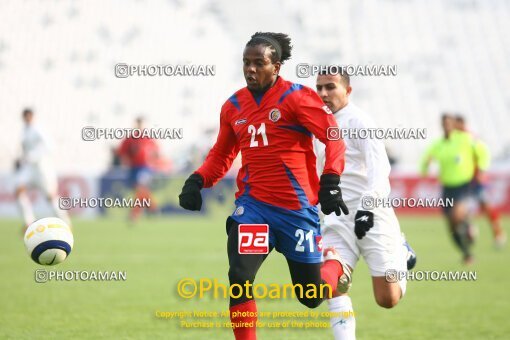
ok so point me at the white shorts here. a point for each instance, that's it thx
(382, 246)
(37, 176)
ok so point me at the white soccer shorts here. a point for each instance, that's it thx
(381, 247)
(37, 176)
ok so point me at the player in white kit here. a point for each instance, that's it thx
(373, 232)
(34, 170)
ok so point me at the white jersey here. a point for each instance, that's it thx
(367, 167)
(36, 146)
(366, 173)
(36, 169)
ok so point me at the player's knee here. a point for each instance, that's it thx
(19, 190)
(239, 275)
(459, 213)
(310, 302)
(387, 300)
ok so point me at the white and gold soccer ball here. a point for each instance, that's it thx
(49, 241)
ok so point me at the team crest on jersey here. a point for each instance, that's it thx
(328, 111)
(241, 121)
(239, 211)
(275, 115)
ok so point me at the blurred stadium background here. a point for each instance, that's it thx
(58, 58)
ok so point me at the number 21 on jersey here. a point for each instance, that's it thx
(255, 132)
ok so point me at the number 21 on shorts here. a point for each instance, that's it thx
(304, 237)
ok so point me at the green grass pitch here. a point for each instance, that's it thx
(157, 252)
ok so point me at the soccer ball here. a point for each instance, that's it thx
(49, 241)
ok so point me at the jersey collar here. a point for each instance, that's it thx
(343, 109)
(260, 95)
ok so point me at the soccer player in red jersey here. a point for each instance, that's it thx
(271, 122)
(139, 154)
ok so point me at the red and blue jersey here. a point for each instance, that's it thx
(138, 152)
(274, 134)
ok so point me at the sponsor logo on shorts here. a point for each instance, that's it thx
(253, 239)
(239, 211)
(318, 241)
(241, 121)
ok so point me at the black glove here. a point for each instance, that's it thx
(363, 221)
(190, 197)
(330, 195)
